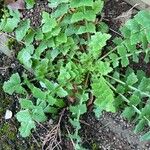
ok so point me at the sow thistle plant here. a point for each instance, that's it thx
(73, 61)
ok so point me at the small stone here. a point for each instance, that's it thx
(8, 114)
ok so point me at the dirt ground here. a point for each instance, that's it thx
(110, 132)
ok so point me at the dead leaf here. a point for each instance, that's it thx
(90, 101)
(125, 16)
(3, 45)
(6, 2)
(71, 99)
(19, 4)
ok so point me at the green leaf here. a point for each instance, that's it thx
(140, 126)
(103, 27)
(60, 103)
(97, 42)
(125, 32)
(104, 95)
(40, 49)
(89, 28)
(143, 18)
(128, 113)
(123, 53)
(134, 100)
(42, 68)
(98, 112)
(25, 56)
(38, 114)
(98, 6)
(54, 53)
(114, 59)
(79, 3)
(148, 34)
(51, 110)
(75, 123)
(61, 38)
(103, 67)
(13, 85)
(22, 29)
(37, 93)
(29, 38)
(144, 85)
(61, 92)
(30, 3)
(11, 23)
(51, 100)
(55, 3)
(132, 79)
(26, 104)
(145, 137)
(120, 89)
(78, 16)
(48, 22)
(78, 109)
(27, 124)
(61, 10)
(133, 25)
(49, 84)
(89, 15)
(64, 76)
(39, 34)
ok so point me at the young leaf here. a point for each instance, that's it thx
(26, 104)
(128, 113)
(78, 16)
(30, 3)
(25, 56)
(40, 49)
(51, 100)
(104, 95)
(81, 109)
(37, 93)
(38, 114)
(79, 3)
(42, 68)
(39, 34)
(123, 52)
(98, 6)
(97, 42)
(145, 137)
(140, 126)
(11, 23)
(29, 38)
(48, 22)
(103, 67)
(61, 92)
(132, 79)
(27, 124)
(134, 100)
(22, 29)
(55, 3)
(13, 85)
(61, 10)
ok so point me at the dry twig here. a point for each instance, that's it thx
(53, 138)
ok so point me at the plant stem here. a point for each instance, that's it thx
(103, 57)
(131, 87)
(128, 101)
